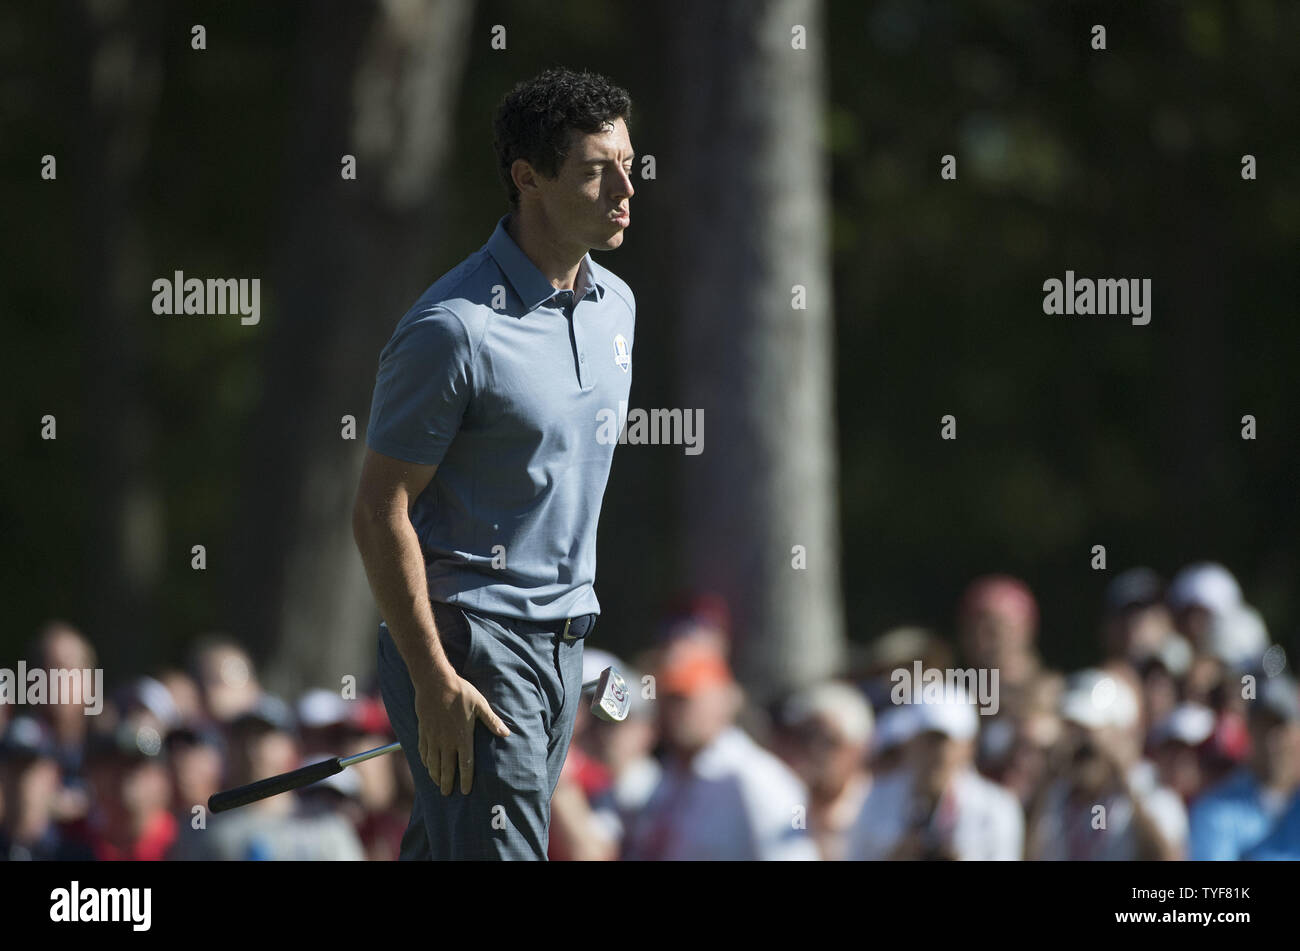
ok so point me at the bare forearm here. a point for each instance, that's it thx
(390, 551)
(1151, 843)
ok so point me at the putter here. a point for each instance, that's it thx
(610, 703)
(612, 700)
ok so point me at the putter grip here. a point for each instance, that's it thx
(273, 785)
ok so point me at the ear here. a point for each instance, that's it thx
(524, 176)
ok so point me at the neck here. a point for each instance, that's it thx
(556, 259)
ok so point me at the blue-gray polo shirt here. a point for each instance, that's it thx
(500, 380)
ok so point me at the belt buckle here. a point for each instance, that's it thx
(567, 622)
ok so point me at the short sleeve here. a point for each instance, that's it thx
(422, 389)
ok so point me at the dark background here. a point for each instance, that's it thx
(1071, 431)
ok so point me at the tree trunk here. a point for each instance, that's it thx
(752, 177)
(114, 56)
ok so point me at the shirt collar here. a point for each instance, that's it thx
(529, 283)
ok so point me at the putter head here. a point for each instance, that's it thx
(612, 699)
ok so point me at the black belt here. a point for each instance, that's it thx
(573, 628)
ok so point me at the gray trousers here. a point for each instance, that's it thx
(532, 678)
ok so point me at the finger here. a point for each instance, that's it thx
(492, 721)
(466, 767)
(448, 771)
(434, 763)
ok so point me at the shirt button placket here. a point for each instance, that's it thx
(578, 348)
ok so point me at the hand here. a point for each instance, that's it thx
(447, 711)
(1113, 754)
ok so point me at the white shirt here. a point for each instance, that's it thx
(735, 801)
(984, 822)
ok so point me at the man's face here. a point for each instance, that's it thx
(936, 758)
(228, 683)
(1195, 622)
(592, 185)
(68, 651)
(691, 721)
(28, 787)
(1097, 755)
(995, 636)
(196, 772)
(259, 750)
(823, 756)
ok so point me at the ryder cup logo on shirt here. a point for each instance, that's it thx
(622, 355)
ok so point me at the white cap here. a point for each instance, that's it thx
(1093, 698)
(954, 716)
(1206, 585)
(843, 705)
(1238, 637)
(1174, 653)
(154, 696)
(1188, 723)
(895, 726)
(320, 708)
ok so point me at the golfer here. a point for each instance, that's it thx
(477, 509)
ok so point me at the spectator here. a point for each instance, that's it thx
(585, 824)
(701, 617)
(263, 743)
(893, 731)
(825, 736)
(1177, 744)
(1015, 747)
(1108, 804)
(195, 760)
(997, 624)
(1161, 673)
(1214, 683)
(1239, 813)
(131, 819)
(623, 749)
(29, 783)
(898, 648)
(721, 795)
(1209, 611)
(1283, 843)
(227, 682)
(323, 723)
(60, 646)
(1136, 621)
(185, 695)
(146, 702)
(937, 806)
(382, 780)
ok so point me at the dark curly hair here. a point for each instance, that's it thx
(535, 119)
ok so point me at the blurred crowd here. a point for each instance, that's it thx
(1181, 742)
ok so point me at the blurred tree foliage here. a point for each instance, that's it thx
(1071, 431)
